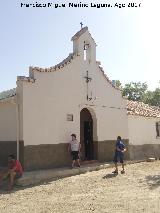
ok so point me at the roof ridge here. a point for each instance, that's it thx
(79, 33)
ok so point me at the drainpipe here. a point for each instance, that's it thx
(17, 125)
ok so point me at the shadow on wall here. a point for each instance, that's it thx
(153, 181)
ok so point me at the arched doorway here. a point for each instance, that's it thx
(86, 134)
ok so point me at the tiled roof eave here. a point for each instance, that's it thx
(140, 109)
(26, 79)
(58, 66)
(106, 77)
(11, 99)
(139, 115)
(5, 95)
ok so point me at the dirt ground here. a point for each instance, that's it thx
(136, 191)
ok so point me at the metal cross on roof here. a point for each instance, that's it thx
(81, 25)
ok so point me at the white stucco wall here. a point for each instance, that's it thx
(7, 121)
(142, 130)
(47, 102)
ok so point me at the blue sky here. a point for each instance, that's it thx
(128, 39)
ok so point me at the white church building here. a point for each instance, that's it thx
(75, 96)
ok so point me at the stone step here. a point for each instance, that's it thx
(88, 162)
(35, 177)
(41, 176)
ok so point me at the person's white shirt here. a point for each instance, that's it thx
(74, 145)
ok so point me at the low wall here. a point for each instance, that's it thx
(34, 157)
(46, 156)
(106, 150)
(140, 152)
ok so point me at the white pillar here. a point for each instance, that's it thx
(17, 126)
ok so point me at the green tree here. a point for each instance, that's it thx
(148, 97)
(153, 98)
(156, 97)
(138, 91)
(135, 91)
(117, 83)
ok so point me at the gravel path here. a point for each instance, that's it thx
(136, 191)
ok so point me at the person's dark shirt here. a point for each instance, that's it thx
(120, 145)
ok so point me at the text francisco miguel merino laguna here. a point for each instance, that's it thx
(80, 5)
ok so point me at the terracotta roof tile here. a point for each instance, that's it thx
(141, 109)
(8, 94)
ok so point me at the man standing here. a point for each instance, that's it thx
(74, 148)
(119, 155)
(13, 171)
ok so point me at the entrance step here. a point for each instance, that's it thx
(88, 162)
(42, 176)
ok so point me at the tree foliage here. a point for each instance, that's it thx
(138, 91)
(117, 83)
(153, 98)
(135, 91)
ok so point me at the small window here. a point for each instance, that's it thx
(85, 55)
(158, 129)
(69, 117)
(86, 46)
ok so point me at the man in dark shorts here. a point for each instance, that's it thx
(13, 171)
(119, 155)
(74, 148)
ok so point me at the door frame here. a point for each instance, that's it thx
(85, 116)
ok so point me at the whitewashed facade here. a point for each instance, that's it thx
(144, 134)
(76, 88)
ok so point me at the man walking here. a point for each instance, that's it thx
(119, 155)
